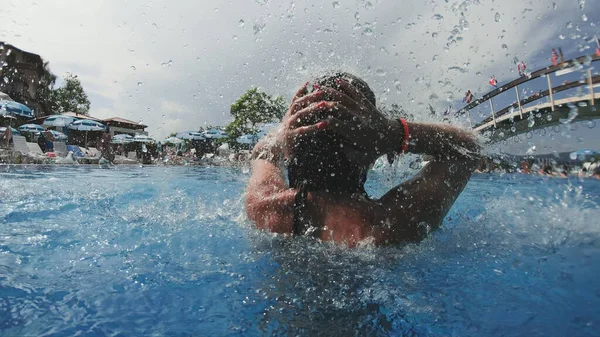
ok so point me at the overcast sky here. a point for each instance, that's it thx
(178, 65)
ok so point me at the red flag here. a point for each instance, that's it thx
(554, 57)
(468, 97)
(521, 68)
(598, 48)
(493, 81)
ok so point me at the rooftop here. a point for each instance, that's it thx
(124, 121)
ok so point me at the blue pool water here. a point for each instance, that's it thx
(168, 252)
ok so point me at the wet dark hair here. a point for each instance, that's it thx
(318, 162)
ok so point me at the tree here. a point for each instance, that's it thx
(45, 90)
(71, 97)
(254, 107)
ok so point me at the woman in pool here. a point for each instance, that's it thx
(329, 138)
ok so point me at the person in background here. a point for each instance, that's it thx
(41, 141)
(49, 141)
(329, 139)
(104, 145)
(7, 138)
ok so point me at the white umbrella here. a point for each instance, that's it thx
(143, 139)
(59, 120)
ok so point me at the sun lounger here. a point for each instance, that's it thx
(124, 160)
(22, 148)
(93, 152)
(60, 149)
(81, 155)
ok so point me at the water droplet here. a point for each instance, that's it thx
(336, 4)
(513, 129)
(357, 16)
(497, 17)
(591, 124)
(235, 37)
(132, 67)
(368, 6)
(155, 25)
(368, 32)
(383, 49)
(561, 36)
(437, 17)
(584, 17)
(380, 72)
(581, 4)
(504, 46)
(198, 59)
(549, 118)
(241, 23)
(167, 64)
(139, 84)
(434, 58)
(434, 34)
(554, 5)
(531, 122)
(398, 86)
(569, 24)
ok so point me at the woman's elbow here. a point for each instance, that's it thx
(269, 218)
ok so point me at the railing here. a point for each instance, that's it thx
(566, 66)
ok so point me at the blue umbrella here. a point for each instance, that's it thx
(86, 125)
(214, 134)
(584, 154)
(190, 135)
(143, 139)
(31, 128)
(15, 132)
(15, 109)
(58, 135)
(122, 139)
(59, 120)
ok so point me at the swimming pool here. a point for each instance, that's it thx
(168, 252)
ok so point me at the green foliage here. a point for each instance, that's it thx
(254, 107)
(45, 90)
(71, 97)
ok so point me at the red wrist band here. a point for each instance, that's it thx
(406, 135)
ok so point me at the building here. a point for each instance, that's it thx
(20, 74)
(118, 125)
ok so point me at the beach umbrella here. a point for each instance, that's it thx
(31, 128)
(5, 97)
(143, 139)
(122, 139)
(59, 120)
(58, 135)
(173, 140)
(15, 109)
(247, 139)
(191, 135)
(585, 155)
(215, 134)
(15, 132)
(86, 125)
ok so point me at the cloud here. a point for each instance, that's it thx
(177, 65)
